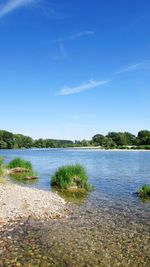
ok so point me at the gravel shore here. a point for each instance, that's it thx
(17, 203)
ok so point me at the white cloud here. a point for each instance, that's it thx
(82, 87)
(61, 43)
(73, 37)
(138, 66)
(11, 5)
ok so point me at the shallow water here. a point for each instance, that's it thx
(111, 227)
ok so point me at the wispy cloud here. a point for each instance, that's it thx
(135, 67)
(61, 43)
(11, 5)
(82, 87)
(73, 36)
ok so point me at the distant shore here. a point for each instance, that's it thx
(94, 148)
(21, 203)
(104, 149)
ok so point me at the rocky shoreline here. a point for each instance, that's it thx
(21, 203)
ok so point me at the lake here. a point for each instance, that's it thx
(110, 227)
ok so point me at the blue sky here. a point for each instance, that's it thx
(72, 69)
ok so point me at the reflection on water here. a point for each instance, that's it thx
(20, 178)
(110, 227)
(77, 197)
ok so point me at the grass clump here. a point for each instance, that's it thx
(72, 177)
(144, 192)
(2, 171)
(20, 163)
(1, 167)
(21, 169)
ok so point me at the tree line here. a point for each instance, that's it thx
(112, 140)
(9, 140)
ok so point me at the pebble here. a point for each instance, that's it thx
(19, 203)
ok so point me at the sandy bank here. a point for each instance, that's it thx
(17, 203)
(93, 148)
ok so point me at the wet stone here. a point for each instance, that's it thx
(91, 236)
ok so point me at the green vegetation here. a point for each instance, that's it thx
(1, 167)
(18, 162)
(144, 192)
(123, 140)
(71, 177)
(2, 180)
(21, 169)
(9, 140)
(27, 176)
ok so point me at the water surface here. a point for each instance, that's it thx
(111, 227)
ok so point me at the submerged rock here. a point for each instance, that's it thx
(31, 177)
(16, 170)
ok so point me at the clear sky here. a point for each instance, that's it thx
(70, 69)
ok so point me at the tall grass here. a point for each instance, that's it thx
(26, 172)
(18, 162)
(1, 166)
(70, 176)
(144, 192)
(2, 180)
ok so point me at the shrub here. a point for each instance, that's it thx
(18, 162)
(144, 192)
(71, 176)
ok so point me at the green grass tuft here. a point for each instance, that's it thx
(1, 167)
(26, 171)
(18, 162)
(71, 176)
(2, 172)
(144, 192)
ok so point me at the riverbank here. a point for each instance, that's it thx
(21, 203)
(99, 148)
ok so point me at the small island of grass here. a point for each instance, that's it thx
(144, 192)
(72, 178)
(21, 169)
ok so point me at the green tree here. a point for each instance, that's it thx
(98, 139)
(109, 143)
(22, 141)
(130, 138)
(3, 145)
(143, 137)
(7, 139)
(122, 138)
(85, 143)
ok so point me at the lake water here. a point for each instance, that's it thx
(111, 227)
